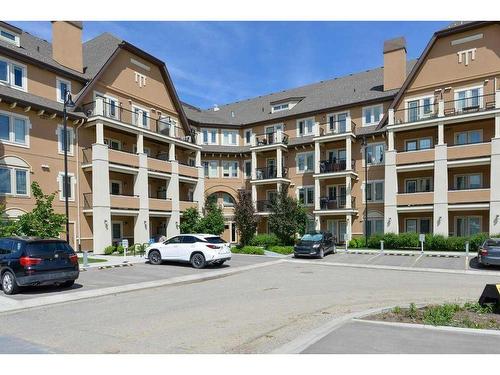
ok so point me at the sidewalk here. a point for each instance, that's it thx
(112, 260)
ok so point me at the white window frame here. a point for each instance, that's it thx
(372, 117)
(418, 181)
(72, 183)
(12, 136)
(210, 131)
(107, 141)
(280, 107)
(245, 162)
(373, 145)
(467, 228)
(210, 163)
(16, 41)
(305, 155)
(106, 108)
(59, 133)
(306, 133)
(229, 134)
(13, 183)
(232, 166)
(467, 179)
(372, 184)
(467, 132)
(307, 190)
(419, 224)
(335, 116)
(468, 95)
(10, 74)
(60, 80)
(420, 99)
(135, 120)
(417, 140)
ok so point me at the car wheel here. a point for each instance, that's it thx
(198, 260)
(9, 284)
(321, 253)
(219, 262)
(154, 257)
(68, 284)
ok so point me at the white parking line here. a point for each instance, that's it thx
(416, 260)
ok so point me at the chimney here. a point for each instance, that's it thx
(394, 63)
(67, 44)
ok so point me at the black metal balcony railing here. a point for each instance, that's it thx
(340, 202)
(330, 166)
(419, 190)
(122, 194)
(336, 127)
(269, 172)
(264, 206)
(162, 194)
(115, 111)
(271, 138)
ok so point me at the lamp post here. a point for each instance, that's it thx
(364, 144)
(68, 103)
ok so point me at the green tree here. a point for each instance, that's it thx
(287, 217)
(7, 227)
(190, 220)
(244, 217)
(42, 221)
(213, 221)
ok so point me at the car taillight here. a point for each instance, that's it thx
(73, 258)
(483, 251)
(213, 247)
(27, 261)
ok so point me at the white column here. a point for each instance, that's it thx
(254, 196)
(348, 227)
(101, 202)
(140, 143)
(99, 106)
(390, 140)
(279, 162)
(317, 222)
(141, 226)
(199, 190)
(99, 133)
(317, 157)
(348, 153)
(348, 195)
(440, 225)
(441, 133)
(390, 191)
(317, 194)
(254, 165)
(198, 159)
(173, 194)
(497, 125)
(495, 187)
(441, 108)
(171, 152)
(391, 116)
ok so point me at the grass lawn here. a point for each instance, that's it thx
(91, 260)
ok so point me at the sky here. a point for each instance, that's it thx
(215, 63)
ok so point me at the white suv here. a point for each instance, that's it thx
(197, 249)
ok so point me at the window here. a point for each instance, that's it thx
(418, 185)
(117, 230)
(248, 169)
(306, 195)
(418, 225)
(62, 87)
(13, 181)
(469, 137)
(62, 186)
(228, 200)
(375, 153)
(418, 144)
(113, 144)
(248, 136)
(469, 99)
(141, 117)
(467, 225)
(337, 123)
(419, 109)
(305, 127)
(230, 169)
(305, 162)
(9, 36)
(229, 137)
(375, 191)
(280, 107)
(372, 115)
(209, 136)
(13, 74)
(115, 187)
(469, 181)
(146, 150)
(14, 129)
(211, 168)
(375, 226)
(69, 139)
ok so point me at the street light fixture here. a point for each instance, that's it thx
(68, 103)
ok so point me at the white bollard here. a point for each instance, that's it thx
(381, 246)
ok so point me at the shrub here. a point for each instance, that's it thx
(455, 243)
(247, 250)
(357, 243)
(281, 249)
(408, 240)
(390, 241)
(436, 242)
(477, 240)
(108, 250)
(265, 240)
(440, 315)
(120, 249)
(374, 241)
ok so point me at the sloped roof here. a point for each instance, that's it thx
(338, 92)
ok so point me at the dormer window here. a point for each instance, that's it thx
(9, 36)
(13, 74)
(281, 107)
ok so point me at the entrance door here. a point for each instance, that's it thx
(117, 230)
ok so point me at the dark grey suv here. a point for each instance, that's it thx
(28, 261)
(316, 244)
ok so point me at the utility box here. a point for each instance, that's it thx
(491, 295)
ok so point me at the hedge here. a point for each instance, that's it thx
(265, 240)
(411, 241)
(255, 250)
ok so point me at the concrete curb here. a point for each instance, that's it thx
(15, 305)
(474, 331)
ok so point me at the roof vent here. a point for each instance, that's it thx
(216, 107)
(232, 114)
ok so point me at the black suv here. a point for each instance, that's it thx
(29, 261)
(316, 244)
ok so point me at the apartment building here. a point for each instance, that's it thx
(408, 147)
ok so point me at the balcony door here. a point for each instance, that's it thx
(336, 192)
(338, 228)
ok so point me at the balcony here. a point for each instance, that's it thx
(125, 158)
(469, 151)
(159, 165)
(331, 166)
(417, 156)
(270, 173)
(115, 112)
(416, 198)
(474, 195)
(264, 206)
(125, 202)
(269, 140)
(326, 131)
(467, 107)
(157, 203)
(184, 205)
(188, 170)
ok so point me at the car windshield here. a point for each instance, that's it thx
(214, 240)
(43, 249)
(312, 237)
(492, 242)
